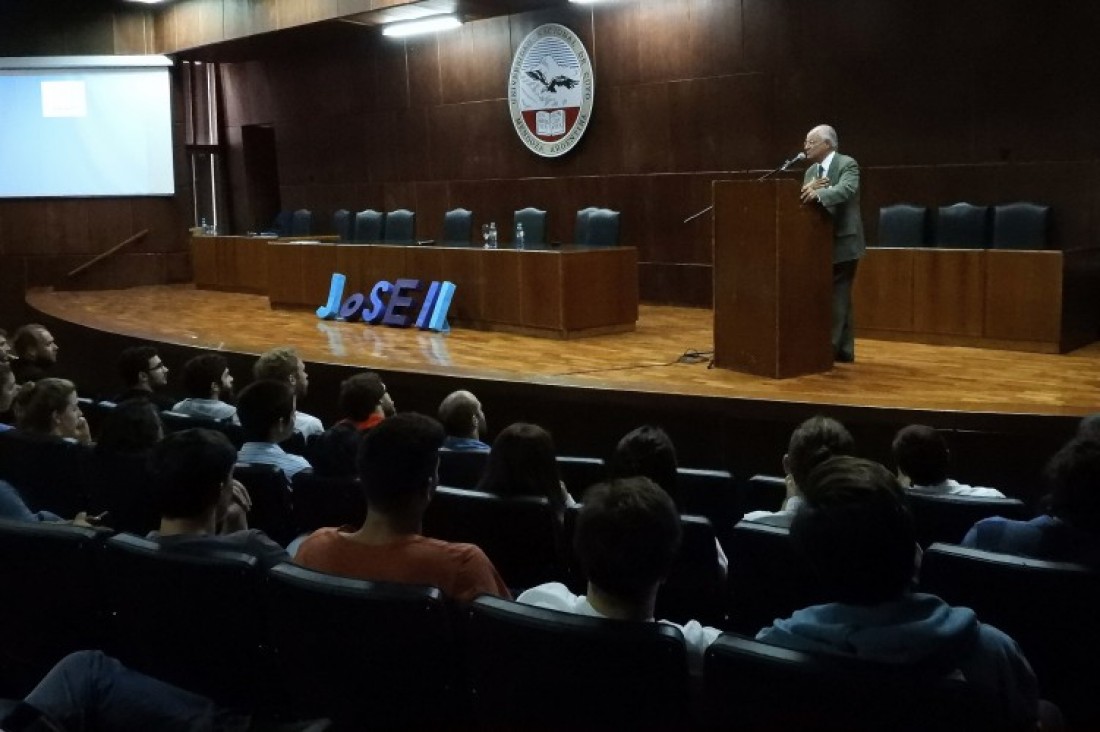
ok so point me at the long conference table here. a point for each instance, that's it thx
(557, 292)
(1040, 301)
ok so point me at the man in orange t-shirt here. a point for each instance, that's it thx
(398, 462)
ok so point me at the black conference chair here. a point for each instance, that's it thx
(710, 493)
(52, 601)
(269, 489)
(326, 501)
(458, 227)
(193, 621)
(176, 422)
(603, 228)
(768, 579)
(580, 473)
(580, 225)
(342, 224)
(301, 223)
(281, 224)
(519, 534)
(400, 227)
(120, 485)
(755, 686)
(902, 225)
(462, 468)
(962, 226)
(368, 226)
(370, 655)
(1049, 608)
(49, 473)
(610, 674)
(1021, 226)
(763, 493)
(948, 518)
(534, 225)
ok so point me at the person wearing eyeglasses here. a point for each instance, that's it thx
(145, 376)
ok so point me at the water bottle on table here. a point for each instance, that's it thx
(521, 237)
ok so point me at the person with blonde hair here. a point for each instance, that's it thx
(51, 407)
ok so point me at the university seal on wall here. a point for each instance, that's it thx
(550, 90)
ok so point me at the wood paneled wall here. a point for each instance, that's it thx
(42, 239)
(939, 101)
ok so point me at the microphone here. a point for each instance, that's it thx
(786, 164)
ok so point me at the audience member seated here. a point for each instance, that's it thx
(145, 376)
(398, 464)
(283, 364)
(13, 508)
(523, 462)
(266, 412)
(648, 451)
(209, 388)
(626, 538)
(193, 486)
(7, 392)
(860, 539)
(922, 457)
(814, 441)
(50, 408)
(132, 428)
(5, 347)
(463, 421)
(1070, 532)
(363, 403)
(35, 353)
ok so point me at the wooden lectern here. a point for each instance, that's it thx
(772, 280)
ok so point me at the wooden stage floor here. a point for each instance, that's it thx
(887, 374)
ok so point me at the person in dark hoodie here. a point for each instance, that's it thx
(858, 535)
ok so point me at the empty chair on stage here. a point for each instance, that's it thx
(580, 226)
(962, 226)
(603, 228)
(368, 227)
(458, 226)
(281, 224)
(1021, 226)
(400, 227)
(301, 223)
(902, 225)
(342, 224)
(534, 225)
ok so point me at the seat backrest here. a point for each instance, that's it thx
(580, 473)
(371, 655)
(1049, 608)
(580, 225)
(768, 579)
(611, 674)
(462, 468)
(603, 228)
(948, 518)
(368, 226)
(695, 588)
(269, 489)
(763, 493)
(301, 223)
(49, 473)
(342, 224)
(120, 485)
(400, 227)
(519, 534)
(327, 501)
(458, 226)
(52, 599)
(193, 621)
(710, 493)
(1021, 226)
(534, 225)
(176, 422)
(962, 226)
(756, 686)
(281, 224)
(902, 225)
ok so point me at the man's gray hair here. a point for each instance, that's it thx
(828, 134)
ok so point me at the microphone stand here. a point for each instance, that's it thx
(781, 168)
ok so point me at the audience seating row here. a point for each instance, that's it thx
(966, 226)
(379, 655)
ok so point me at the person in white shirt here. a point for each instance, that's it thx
(284, 364)
(812, 443)
(209, 387)
(627, 535)
(266, 410)
(922, 459)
